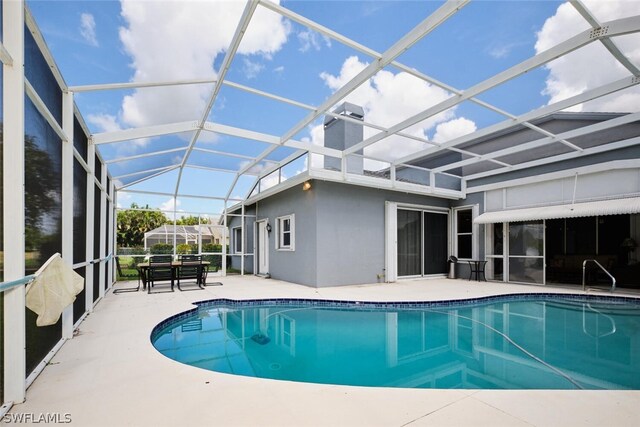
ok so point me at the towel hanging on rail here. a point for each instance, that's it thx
(55, 287)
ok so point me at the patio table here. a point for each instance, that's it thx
(144, 266)
(477, 266)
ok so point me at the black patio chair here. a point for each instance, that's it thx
(191, 268)
(120, 274)
(160, 270)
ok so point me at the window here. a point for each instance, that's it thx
(464, 233)
(286, 233)
(237, 240)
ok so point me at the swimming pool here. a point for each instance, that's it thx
(530, 341)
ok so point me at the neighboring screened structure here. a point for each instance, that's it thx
(185, 234)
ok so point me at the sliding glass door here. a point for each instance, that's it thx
(409, 243)
(422, 242)
(435, 243)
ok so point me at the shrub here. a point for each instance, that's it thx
(183, 248)
(162, 249)
(211, 247)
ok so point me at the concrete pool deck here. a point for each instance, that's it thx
(110, 374)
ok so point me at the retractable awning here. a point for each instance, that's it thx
(603, 207)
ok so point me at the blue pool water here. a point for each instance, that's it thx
(510, 342)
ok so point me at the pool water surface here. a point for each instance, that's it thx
(509, 342)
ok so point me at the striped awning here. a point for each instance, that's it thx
(604, 207)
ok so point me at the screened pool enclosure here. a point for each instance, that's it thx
(82, 140)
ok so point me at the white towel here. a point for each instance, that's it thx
(53, 289)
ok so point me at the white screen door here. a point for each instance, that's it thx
(263, 248)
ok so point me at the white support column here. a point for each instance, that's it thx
(110, 234)
(255, 240)
(114, 237)
(89, 232)
(13, 202)
(391, 242)
(224, 241)
(175, 226)
(103, 228)
(244, 242)
(67, 201)
(200, 235)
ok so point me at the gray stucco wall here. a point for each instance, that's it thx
(339, 232)
(296, 266)
(351, 226)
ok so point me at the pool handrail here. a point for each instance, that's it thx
(584, 266)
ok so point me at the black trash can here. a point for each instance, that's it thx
(452, 266)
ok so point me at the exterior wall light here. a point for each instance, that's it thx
(306, 186)
(268, 228)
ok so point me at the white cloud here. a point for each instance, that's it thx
(453, 129)
(310, 39)
(269, 181)
(255, 169)
(279, 69)
(591, 66)
(503, 50)
(110, 123)
(88, 28)
(160, 48)
(251, 69)
(104, 122)
(388, 99)
(123, 197)
(168, 207)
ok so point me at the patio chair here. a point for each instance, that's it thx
(191, 268)
(120, 274)
(160, 270)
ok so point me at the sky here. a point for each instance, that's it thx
(96, 42)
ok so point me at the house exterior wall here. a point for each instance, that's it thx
(340, 228)
(339, 233)
(296, 266)
(351, 231)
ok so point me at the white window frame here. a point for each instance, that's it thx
(233, 234)
(280, 233)
(473, 233)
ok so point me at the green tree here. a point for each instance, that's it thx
(191, 220)
(132, 224)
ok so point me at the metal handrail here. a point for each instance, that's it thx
(584, 265)
(5, 286)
